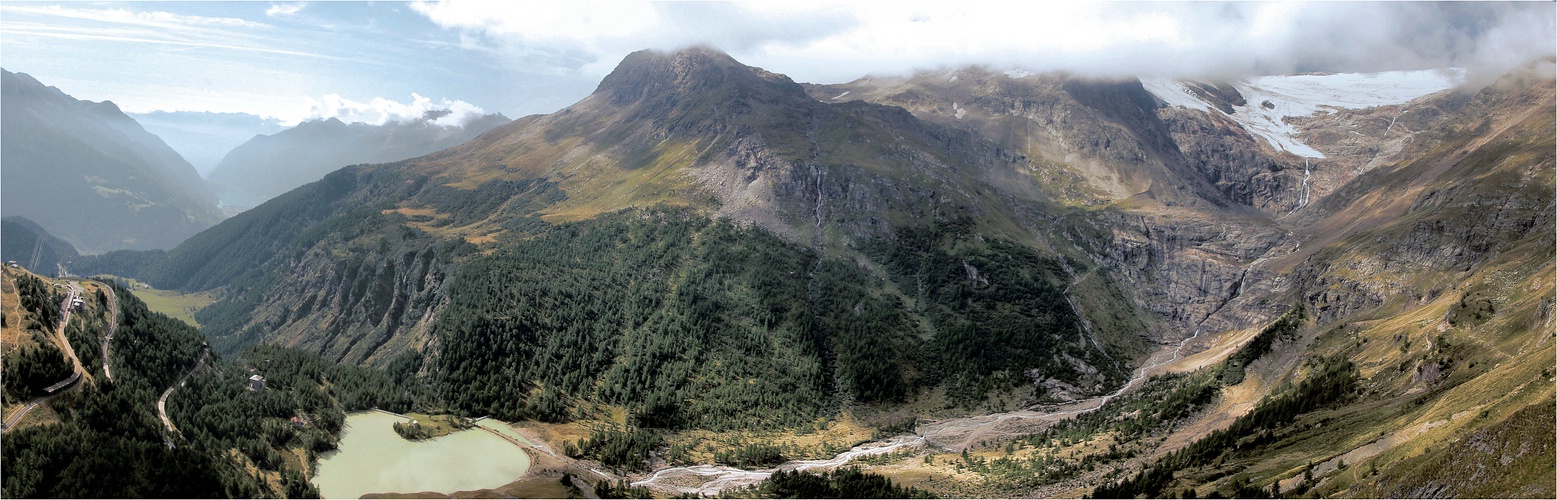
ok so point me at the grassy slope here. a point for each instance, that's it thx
(1443, 388)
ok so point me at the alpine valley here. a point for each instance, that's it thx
(708, 279)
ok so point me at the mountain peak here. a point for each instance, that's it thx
(648, 73)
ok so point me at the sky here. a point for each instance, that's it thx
(378, 61)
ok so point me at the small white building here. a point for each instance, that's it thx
(256, 383)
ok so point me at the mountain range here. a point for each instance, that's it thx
(706, 246)
(265, 166)
(204, 138)
(93, 176)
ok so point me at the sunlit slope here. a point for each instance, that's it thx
(1430, 282)
(696, 128)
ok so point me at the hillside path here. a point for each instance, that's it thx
(113, 325)
(162, 402)
(76, 372)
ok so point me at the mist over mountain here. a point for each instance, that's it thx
(204, 138)
(93, 176)
(266, 165)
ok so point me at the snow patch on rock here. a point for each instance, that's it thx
(1272, 99)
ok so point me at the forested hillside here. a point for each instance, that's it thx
(699, 323)
(105, 439)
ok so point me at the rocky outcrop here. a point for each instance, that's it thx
(361, 311)
(1189, 271)
(1244, 169)
(1355, 141)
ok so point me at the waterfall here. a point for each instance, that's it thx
(1304, 191)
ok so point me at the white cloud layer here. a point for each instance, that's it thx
(833, 41)
(155, 19)
(379, 110)
(284, 9)
(539, 56)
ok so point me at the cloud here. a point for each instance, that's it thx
(379, 110)
(589, 38)
(157, 19)
(838, 41)
(75, 33)
(284, 9)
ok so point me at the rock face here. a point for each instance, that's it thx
(1358, 140)
(1415, 261)
(1093, 142)
(1194, 196)
(91, 175)
(1416, 256)
(695, 126)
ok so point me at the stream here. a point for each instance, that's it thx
(952, 434)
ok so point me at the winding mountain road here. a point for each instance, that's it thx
(162, 402)
(76, 370)
(113, 325)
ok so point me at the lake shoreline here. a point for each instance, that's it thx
(373, 459)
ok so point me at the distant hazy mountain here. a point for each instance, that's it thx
(92, 175)
(268, 165)
(204, 138)
(28, 244)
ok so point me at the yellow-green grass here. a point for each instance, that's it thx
(15, 335)
(656, 180)
(824, 439)
(1398, 424)
(181, 306)
(506, 430)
